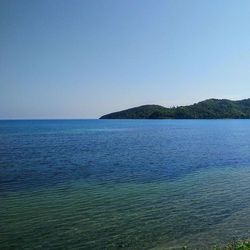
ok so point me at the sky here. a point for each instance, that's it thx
(85, 58)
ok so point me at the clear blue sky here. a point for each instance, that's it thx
(82, 59)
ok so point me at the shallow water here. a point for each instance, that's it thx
(103, 184)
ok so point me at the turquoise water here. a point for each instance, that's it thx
(132, 184)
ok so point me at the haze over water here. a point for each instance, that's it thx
(133, 184)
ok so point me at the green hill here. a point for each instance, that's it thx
(208, 109)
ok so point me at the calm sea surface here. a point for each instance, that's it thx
(132, 184)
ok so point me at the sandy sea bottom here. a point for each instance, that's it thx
(200, 210)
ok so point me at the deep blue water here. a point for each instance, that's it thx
(135, 184)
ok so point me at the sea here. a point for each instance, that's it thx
(124, 184)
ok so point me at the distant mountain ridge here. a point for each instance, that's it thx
(208, 109)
